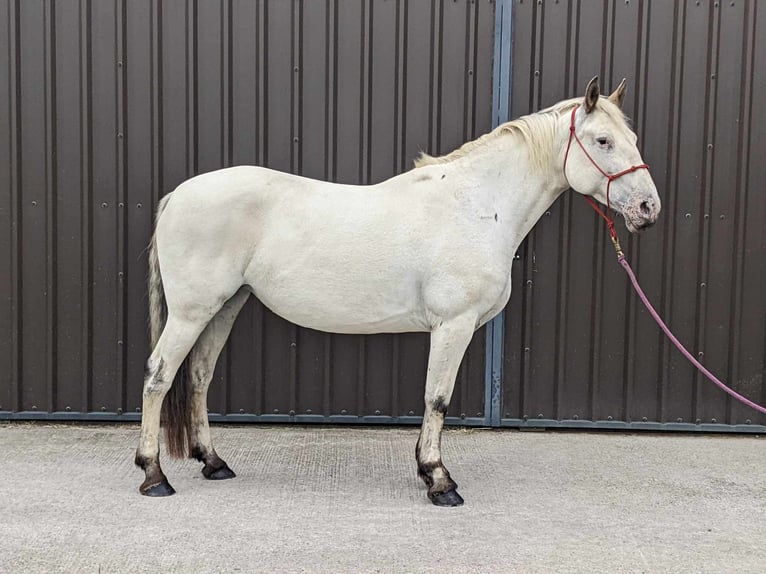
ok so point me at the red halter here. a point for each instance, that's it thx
(609, 176)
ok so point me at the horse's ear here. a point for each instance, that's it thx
(618, 95)
(592, 94)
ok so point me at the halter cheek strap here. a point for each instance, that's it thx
(609, 176)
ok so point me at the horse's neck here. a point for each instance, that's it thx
(519, 191)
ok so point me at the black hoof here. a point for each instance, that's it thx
(218, 473)
(449, 498)
(162, 488)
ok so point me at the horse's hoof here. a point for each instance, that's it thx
(162, 488)
(449, 498)
(218, 473)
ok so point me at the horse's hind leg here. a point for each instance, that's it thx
(202, 360)
(448, 344)
(174, 344)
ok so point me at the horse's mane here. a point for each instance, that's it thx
(538, 130)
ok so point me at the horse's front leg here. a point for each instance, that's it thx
(448, 344)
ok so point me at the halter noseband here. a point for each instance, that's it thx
(609, 176)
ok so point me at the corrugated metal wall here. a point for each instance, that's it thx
(107, 105)
(578, 344)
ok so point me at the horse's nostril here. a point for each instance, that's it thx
(646, 209)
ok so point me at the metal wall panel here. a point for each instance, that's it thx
(579, 347)
(107, 105)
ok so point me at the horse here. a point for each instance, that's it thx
(428, 250)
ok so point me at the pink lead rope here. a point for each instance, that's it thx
(677, 343)
(625, 265)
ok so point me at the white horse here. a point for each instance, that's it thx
(427, 250)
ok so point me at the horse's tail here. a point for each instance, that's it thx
(176, 408)
(158, 311)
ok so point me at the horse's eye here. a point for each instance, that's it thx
(603, 142)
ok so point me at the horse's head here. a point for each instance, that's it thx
(602, 159)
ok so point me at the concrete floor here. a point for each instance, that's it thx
(329, 499)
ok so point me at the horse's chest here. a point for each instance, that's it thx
(498, 303)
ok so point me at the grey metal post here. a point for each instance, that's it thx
(501, 96)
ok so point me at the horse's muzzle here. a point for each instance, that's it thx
(642, 215)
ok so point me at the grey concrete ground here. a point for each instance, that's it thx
(318, 499)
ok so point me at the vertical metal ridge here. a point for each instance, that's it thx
(599, 276)
(192, 113)
(538, 38)
(395, 376)
(327, 376)
(466, 70)
(528, 300)
(671, 183)
(295, 164)
(365, 93)
(368, 98)
(122, 229)
(293, 89)
(362, 131)
(642, 56)
(642, 109)
(262, 85)
(563, 276)
(644, 64)
(227, 97)
(260, 371)
(156, 89)
(86, 106)
(404, 31)
(741, 202)
(334, 123)
(469, 107)
(434, 88)
(562, 286)
(502, 71)
(502, 65)
(630, 331)
(14, 49)
(362, 375)
(597, 288)
(534, 58)
(527, 306)
(573, 38)
(400, 87)
(331, 97)
(631, 301)
(50, 200)
(293, 367)
(227, 147)
(464, 386)
(607, 41)
(703, 262)
(297, 87)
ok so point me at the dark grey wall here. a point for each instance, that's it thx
(578, 342)
(107, 105)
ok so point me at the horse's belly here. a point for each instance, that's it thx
(339, 311)
(330, 296)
